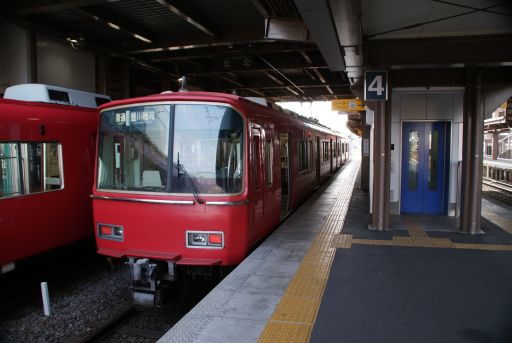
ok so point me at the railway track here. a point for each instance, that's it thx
(119, 327)
(89, 303)
(497, 190)
(132, 323)
(504, 187)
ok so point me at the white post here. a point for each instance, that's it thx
(46, 298)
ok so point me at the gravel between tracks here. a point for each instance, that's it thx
(492, 193)
(93, 299)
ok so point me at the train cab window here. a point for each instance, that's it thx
(269, 157)
(28, 168)
(173, 148)
(9, 170)
(134, 148)
(208, 149)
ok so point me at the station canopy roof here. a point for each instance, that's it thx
(284, 50)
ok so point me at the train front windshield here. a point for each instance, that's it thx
(204, 140)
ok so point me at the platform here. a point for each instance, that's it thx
(323, 277)
(500, 169)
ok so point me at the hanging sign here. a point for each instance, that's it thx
(376, 85)
(347, 105)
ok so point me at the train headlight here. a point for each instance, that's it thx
(108, 231)
(197, 238)
(205, 239)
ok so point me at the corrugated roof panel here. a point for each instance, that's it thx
(150, 15)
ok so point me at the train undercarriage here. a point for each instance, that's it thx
(153, 280)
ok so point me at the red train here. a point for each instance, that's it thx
(196, 179)
(47, 145)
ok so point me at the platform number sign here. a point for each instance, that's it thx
(376, 85)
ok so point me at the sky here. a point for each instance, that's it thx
(320, 110)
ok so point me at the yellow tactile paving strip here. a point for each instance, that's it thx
(418, 238)
(295, 315)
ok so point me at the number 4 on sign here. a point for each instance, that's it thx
(376, 85)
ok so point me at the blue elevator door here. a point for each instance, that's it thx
(425, 167)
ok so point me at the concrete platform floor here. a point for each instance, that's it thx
(241, 306)
(275, 294)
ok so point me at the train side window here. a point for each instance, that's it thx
(27, 168)
(325, 150)
(269, 157)
(9, 170)
(42, 167)
(310, 154)
(305, 152)
(53, 166)
(33, 167)
(256, 160)
(302, 155)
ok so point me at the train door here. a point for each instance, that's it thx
(317, 161)
(331, 155)
(285, 173)
(257, 182)
(425, 159)
(336, 154)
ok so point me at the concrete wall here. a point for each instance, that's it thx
(421, 104)
(57, 63)
(60, 65)
(14, 56)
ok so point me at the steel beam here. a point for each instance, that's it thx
(318, 17)
(187, 16)
(55, 6)
(113, 24)
(441, 52)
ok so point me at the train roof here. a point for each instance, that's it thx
(215, 97)
(35, 92)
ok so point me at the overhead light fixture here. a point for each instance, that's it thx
(76, 41)
(144, 39)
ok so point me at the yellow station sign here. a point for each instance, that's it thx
(347, 105)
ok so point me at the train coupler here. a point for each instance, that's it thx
(147, 277)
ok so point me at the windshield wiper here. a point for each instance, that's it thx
(189, 180)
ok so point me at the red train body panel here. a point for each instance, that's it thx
(47, 162)
(236, 203)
